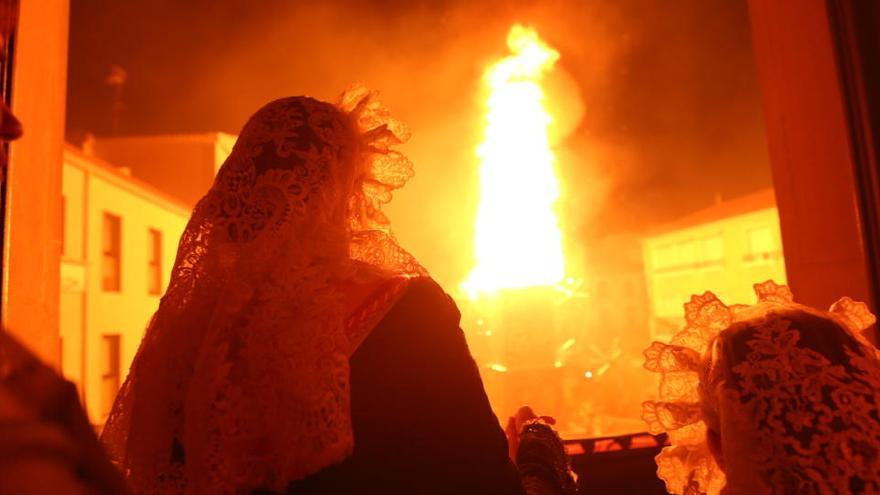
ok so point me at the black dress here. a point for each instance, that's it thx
(422, 422)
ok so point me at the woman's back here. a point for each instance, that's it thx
(421, 419)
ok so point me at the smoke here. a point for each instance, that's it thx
(657, 99)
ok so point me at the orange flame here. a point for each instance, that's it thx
(518, 243)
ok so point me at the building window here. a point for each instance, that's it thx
(665, 257)
(687, 253)
(690, 254)
(110, 372)
(154, 262)
(761, 244)
(712, 249)
(111, 247)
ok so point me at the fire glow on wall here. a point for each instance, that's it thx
(518, 243)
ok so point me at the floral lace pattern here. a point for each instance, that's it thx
(242, 379)
(797, 412)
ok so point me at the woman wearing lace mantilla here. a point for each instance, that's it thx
(775, 398)
(298, 347)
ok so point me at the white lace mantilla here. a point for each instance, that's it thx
(790, 393)
(242, 379)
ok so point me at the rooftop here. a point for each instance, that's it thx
(120, 176)
(760, 200)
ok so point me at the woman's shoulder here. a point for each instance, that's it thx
(425, 296)
(426, 286)
(423, 314)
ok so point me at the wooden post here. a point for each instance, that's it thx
(32, 234)
(811, 145)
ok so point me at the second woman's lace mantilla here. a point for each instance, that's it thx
(770, 400)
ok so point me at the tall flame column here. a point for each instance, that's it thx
(518, 258)
(518, 243)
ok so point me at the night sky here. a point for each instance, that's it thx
(671, 116)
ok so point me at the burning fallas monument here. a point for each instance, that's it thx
(527, 309)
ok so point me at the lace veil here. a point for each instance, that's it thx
(242, 380)
(785, 396)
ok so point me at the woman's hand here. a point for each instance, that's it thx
(515, 424)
